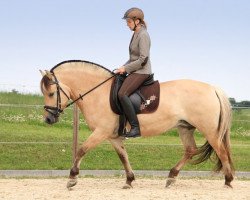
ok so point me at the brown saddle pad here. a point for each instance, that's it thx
(145, 99)
(151, 94)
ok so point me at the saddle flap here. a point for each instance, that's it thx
(114, 101)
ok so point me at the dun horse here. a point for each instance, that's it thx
(184, 104)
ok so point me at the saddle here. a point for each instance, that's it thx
(145, 99)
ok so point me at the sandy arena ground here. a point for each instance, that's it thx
(111, 188)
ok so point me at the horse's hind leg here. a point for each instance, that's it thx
(93, 140)
(226, 167)
(122, 153)
(224, 162)
(187, 138)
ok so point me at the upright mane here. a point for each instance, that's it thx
(84, 64)
(75, 64)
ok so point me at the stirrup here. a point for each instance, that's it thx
(133, 133)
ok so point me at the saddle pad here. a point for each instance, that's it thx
(150, 100)
(151, 94)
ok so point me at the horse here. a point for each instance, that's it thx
(184, 104)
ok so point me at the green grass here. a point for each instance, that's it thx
(14, 98)
(21, 127)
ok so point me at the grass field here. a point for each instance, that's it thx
(26, 142)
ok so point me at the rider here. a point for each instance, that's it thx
(138, 66)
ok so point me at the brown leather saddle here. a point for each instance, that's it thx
(145, 99)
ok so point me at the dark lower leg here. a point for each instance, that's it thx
(171, 177)
(173, 173)
(224, 164)
(75, 169)
(228, 179)
(189, 152)
(130, 178)
(228, 173)
(74, 172)
(129, 173)
(122, 153)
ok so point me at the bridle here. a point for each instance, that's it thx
(56, 111)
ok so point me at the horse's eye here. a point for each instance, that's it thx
(51, 94)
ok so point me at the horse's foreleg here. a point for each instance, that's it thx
(93, 140)
(187, 138)
(122, 153)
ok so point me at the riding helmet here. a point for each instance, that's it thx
(134, 13)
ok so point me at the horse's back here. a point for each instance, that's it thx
(187, 90)
(186, 84)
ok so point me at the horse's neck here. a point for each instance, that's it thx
(81, 82)
(95, 103)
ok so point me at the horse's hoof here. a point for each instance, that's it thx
(127, 186)
(228, 185)
(71, 183)
(170, 182)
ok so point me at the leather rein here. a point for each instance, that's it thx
(56, 111)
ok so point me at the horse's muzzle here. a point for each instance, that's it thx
(51, 119)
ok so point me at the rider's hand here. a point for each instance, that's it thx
(120, 70)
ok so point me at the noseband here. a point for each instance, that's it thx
(56, 111)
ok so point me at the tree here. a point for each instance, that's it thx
(232, 101)
(245, 103)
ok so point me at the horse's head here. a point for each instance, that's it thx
(56, 96)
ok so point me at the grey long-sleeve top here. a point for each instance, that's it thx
(139, 53)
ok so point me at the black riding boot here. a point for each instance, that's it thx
(130, 114)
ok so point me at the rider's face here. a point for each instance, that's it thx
(131, 23)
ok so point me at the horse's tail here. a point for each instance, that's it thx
(225, 118)
(224, 124)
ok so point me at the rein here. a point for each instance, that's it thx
(82, 95)
(55, 111)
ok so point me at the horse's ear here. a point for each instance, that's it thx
(49, 74)
(43, 73)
